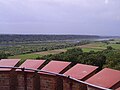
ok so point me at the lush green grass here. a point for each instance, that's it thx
(37, 54)
(90, 49)
(115, 46)
(99, 46)
(26, 56)
(56, 51)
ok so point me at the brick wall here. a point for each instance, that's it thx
(8, 80)
(48, 82)
(69, 84)
(36, 81)
(33, 81)
(4, 81)
(19, 80)
(28, 81)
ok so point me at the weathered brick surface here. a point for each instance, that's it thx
(28, 80)
(20, 80)
(4, 81)
(48, 82)
(72, 85)
(4, 88)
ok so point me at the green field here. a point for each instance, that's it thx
(37, 54)
(96, 46)
(25, 56)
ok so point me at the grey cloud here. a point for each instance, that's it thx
(60, 16)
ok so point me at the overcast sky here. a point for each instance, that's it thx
(100, 17)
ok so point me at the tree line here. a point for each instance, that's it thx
(25, 38)
(107, 58)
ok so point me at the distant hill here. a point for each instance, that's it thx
(24, 38)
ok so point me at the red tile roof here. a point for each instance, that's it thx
(118, 88)
(33, 64)
(8, 62)
(105, 78)
(80, 71)
(56, 66)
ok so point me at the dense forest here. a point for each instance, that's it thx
(24, 38)
(109, 57)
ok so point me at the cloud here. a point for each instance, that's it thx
(64, 14)
(106, 1)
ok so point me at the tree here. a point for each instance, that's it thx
(3, 56)
(109, 48)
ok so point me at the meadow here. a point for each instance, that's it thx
(93, 46)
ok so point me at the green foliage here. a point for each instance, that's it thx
(3, 55)
(106, 42)
(72, 54)
(26, 56)
(117, 42)
(113, 59)
(106, 58)
(109, 48)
